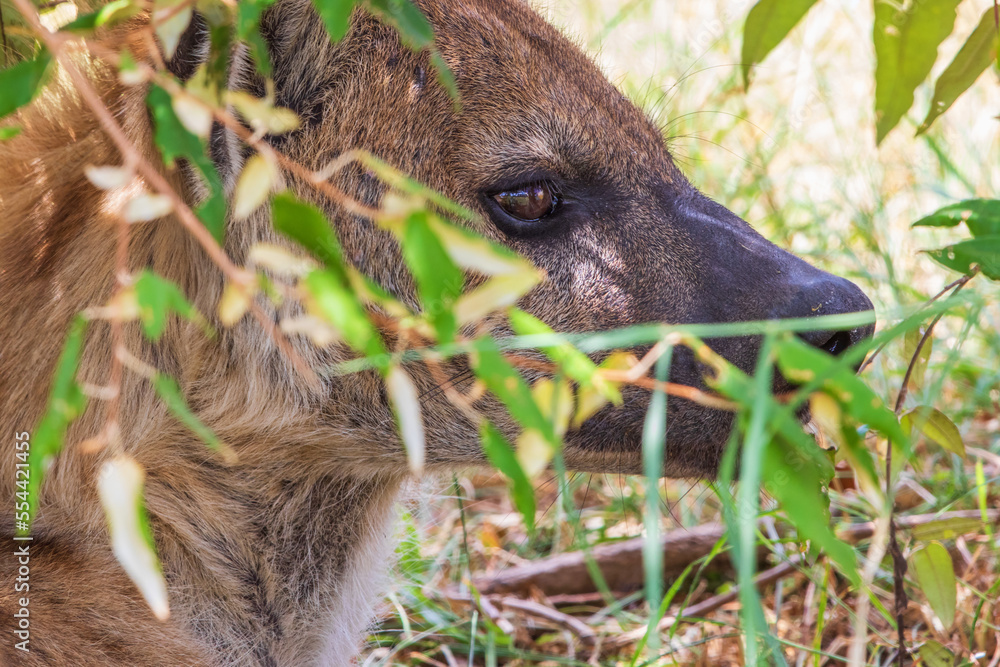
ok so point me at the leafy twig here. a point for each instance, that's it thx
(898, 561)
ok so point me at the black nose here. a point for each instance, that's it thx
(829, 295)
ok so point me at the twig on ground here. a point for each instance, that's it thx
(571, 623)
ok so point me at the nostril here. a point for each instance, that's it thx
(833, 343)
(837, 343)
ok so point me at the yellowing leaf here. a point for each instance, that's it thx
(588, 402)
(573, 363)
(936, 426)
(826, 413)
(125, 305)
(58, 16)
(406, 405)
(147, 207)
(280, 261)
(108, 178)
(255, 184)
(533, 452)
(317, 330)
(946, 529)
(129, 73)
(935, 575)
(474, 253)
(495, 294)
(555, 400)
(590, 399)
(192, 113)
(261, 113)
(910, 342)
(170, 22)
(396, 207)
(120, 489)
(234, 304)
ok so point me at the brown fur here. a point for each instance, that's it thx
(274, 561)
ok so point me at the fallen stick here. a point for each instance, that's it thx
(565, 621)
(621, 562)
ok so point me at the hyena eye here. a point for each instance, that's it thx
(528, 203)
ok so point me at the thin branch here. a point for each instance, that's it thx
(957, 283)
(901, 601)
(56, 43)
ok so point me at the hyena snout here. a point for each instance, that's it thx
(747, 278)
(828, 295)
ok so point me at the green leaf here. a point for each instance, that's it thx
(767, 24)
(306, 225)
(981, 215)
(933, 654)
(20, 83)
(339, 305)
(446, 78)
(9, 132)
(654, 448)
(220, 48)
(935, 575)
(157, 297)
(170, 393)
(936, 426)
(506, 383)
(501, 456)
(334, 297)
(983, 252)
(409, 21)
(801, 362)
(972, 60)
(910, 342)
(248, 13)
(175, 141)
(439, 281)
(575, 364)
(336, 16)
(794, 478)
(111, 13)
(66, 403)
(906, 44)
(946, 529)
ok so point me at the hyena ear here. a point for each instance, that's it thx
(192, 49)
(224, 147)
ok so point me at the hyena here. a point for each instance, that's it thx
(276, 560)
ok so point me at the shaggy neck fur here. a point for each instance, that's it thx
(275, 571)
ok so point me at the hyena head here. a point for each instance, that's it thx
(564, 170)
